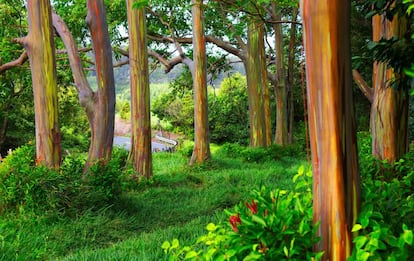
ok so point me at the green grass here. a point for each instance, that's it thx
(178, 202)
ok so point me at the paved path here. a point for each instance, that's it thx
(126, 143)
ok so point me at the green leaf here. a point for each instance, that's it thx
(356, 228)
(175, 243)
(166, 245)
(259, 220)
(407, 235)
(360, 241)
(286, 251)
(362, 256)
(253, 256)
(190, 255)
(211, 227)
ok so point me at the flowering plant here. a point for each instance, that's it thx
(274, 225)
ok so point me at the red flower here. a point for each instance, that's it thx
(252, 207)
(234, 221)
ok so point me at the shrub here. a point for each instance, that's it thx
(274, 225)
(384, 222)
(25, 187)
(387, 217)
(229, 111)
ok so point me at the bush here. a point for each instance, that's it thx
(384, 222)
(25, 187)
(229, 111)
(274, 225)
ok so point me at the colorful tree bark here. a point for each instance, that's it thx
(389, 105)
(141, 155)
(39, 44)
(104, 118)
(281, 133)
(332, 125)
(201, 150)
(389, 108)
(265, 89)
(254, 85)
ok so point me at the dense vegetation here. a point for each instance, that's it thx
(49, 215)
(238, 187)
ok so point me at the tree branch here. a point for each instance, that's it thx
(363, 86)
(18, 62)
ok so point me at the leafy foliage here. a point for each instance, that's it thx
(274, 225)
(229, 111)
(37, 189)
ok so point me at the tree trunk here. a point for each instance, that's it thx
(265, 90)
(140, 95)
(389, 108)
(290, 73)
(201, 150)
(103, 122)
(39, 44)
(254, 86)
(332, 125)
(281, 135)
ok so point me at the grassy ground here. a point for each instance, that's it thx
(177, 203)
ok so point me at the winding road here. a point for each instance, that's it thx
(125, 142)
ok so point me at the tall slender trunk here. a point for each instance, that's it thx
(201, 150)
(39, 44)
(290, 73)
(332, 126)
(140, 94)
(281, 134)
(265, 89)
(104, 118)
(254, 85)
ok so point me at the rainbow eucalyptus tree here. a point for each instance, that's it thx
(39, 45)
(140, 96)
(201, 150)
(389, 92)
(104, 117)
(336, 186)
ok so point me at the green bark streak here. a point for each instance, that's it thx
(140, 91)
(331, 123)
(201, 150)
(40, 48)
